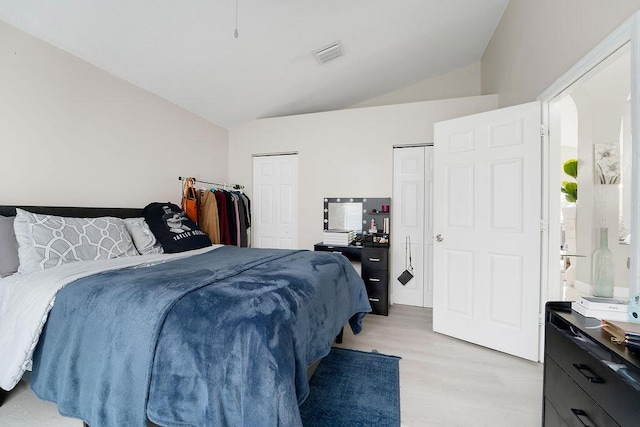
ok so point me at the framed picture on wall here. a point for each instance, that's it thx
(606, 164)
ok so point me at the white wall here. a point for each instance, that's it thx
(71, 134)
(346, 153)
(459, 83)
(537, 41)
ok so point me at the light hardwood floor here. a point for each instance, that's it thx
(443, 381)
(447, 382)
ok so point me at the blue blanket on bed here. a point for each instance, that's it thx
(221, 338)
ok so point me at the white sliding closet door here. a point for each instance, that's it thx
(275, 199)
(412, 221)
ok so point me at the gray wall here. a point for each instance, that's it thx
(538, 40)
(74, 135)
(344, 153)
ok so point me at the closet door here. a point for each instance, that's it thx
(409, 213)
(275, 197)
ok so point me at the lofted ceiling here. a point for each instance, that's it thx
(185, 50)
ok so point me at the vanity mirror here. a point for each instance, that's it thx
(364, 215)
(344, 215)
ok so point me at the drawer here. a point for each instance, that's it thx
(378, 279)
(354, 253)
(551, 416)
(573, 405)
(612, 393)
(379, 299)
(377, 283)
(375, 259)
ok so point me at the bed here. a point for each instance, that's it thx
(217, 336)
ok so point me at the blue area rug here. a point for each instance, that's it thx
(354, 388)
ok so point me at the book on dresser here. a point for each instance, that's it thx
(599, 314)
(338, 237)
(603, 304)
(623, 332)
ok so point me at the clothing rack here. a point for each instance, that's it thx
(217, 184)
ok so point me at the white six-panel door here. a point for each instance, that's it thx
(487, 191)
(275, 200)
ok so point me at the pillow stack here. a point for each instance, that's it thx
(30, 242)
(46, 241)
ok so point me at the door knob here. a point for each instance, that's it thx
(439, 238)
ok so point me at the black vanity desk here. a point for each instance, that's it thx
(375, 271)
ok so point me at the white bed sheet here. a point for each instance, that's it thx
(26, 299)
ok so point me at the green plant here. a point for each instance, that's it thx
(570, 188)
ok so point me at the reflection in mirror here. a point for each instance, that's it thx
(594, 122)
(624, 191)
(345, 216)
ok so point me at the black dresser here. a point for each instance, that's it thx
(588, 380)
(375, 271)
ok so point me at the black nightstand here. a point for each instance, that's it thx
(375, 272)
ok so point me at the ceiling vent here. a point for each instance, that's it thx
(329, 52)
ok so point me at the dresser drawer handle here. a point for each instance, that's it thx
(374, 299)
(374, 259)
(588, 373)
(371, 279)
(583, 418)
(336, 252)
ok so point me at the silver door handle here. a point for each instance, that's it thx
(373, 280)
(374, 259)
(439, 238)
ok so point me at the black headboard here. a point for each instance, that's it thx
(77, 212)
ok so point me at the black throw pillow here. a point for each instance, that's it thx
(175, 232)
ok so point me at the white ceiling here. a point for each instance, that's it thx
(185, 52)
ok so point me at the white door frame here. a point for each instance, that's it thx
(629, 31)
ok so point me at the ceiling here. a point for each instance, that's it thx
(185, 50)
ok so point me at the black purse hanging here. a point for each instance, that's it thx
(407, 274)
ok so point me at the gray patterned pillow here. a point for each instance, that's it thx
(53, 240)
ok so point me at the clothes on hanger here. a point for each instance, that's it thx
(225, 216)
(242, 222)
(231, 218)
(208, 219)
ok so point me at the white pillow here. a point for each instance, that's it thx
(46, 240)
(145, 241)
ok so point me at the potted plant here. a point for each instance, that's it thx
(570, 188)
(570, 191)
